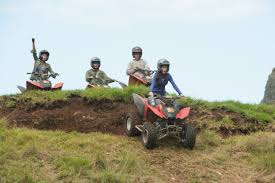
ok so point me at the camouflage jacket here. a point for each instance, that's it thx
(97, 77)
(41, 68)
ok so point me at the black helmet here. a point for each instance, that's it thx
(95, 60)
(163, 62)
(43, 52)
(137, 49)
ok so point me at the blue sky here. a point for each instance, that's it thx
(219, 49)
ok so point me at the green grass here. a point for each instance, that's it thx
(260, 112)
(45, 156)
(257, 149)
(41, 156)
(40, 97)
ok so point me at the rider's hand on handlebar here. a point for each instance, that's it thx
(54, 75)
(147, 73)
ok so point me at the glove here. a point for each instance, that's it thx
(151, 94)
(109, 81)
(181, 95)
(147, 73)
(55, 74)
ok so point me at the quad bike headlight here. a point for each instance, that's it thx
(170, 110)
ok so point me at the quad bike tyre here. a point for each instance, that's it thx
(188, 137)
(132, 119)
(149, 136)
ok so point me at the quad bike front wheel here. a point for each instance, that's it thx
(149, 136)
(132, 119)
(188, 136)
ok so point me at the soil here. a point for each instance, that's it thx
(75, 114)
(83, 115)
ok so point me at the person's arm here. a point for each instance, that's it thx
(153, 83)
(33, 51)
(174, 84)
(130, 69)
(146, 66)
(105, 78)
(50, 70)
(87, 75)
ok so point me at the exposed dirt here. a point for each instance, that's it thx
(83, 115)
(75, 114)
(225, 122)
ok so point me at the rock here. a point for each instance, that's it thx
(269, 95)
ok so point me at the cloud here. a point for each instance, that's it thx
(123, 12)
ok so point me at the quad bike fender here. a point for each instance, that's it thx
(58, 86)
(183, 113)
(156, 110)
(138, 78)
(33, 85)
(140, 103)
(91, 86)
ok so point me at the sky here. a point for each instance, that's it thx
(218, 49)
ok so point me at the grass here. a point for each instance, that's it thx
(260, 112)
(40, 156)
(258, 149)
(41, 97)
(44, 156)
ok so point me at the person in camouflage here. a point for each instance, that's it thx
(136, 64)
(269, 95)
(95, 76)
(41, 69)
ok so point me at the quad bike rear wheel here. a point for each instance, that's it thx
(149, 136)
(188, 136)
(132, 119)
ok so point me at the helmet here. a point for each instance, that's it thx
(137, 50)
(163, 62)
(43, 52)
(95, 60)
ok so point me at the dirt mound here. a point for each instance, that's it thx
(225, 122)
(86, 115)
(75, 114)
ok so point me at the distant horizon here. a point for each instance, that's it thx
(219, 49)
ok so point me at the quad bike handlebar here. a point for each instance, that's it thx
(145, 71)
(169, 97)
(106, 82)
(43, 75)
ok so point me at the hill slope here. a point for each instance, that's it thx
(104, 154)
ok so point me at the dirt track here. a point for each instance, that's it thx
(83, 115)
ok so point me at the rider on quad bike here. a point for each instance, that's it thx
(41, 69)
(96, 77)
(158, 117)
(41, 73)
(161, 78)
(138, 70)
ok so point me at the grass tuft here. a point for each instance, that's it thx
(74, 164)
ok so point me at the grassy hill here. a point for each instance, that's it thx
(235, 142)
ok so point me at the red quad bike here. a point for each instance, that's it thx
(141, 77)
(157, 118)
(41, 84)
